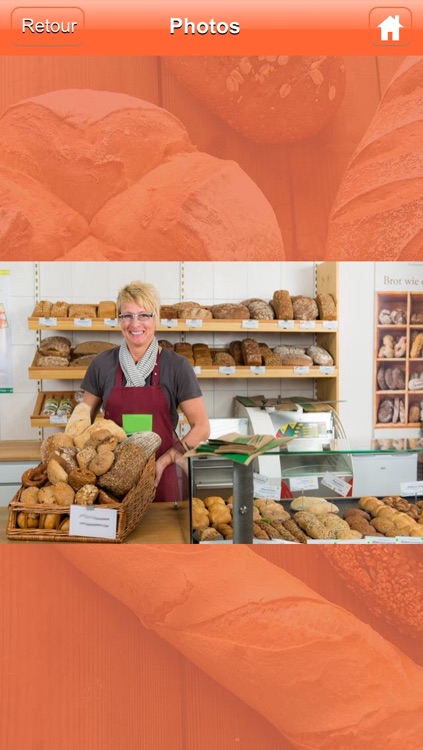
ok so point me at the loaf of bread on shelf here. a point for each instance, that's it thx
(230, 311)
(106, 309)
(326, 306)
(296, 360)
(304, 308)
(270, 99)
(251, 352)
(261, 310)
(319, 355)
(223, 359)
(50, 361)
(168, 312)
(55, 346)
(235, 350)
(82, 311)
(59, 310)
(42, 309)
(124, 162)
(91, 347)
(282, 305)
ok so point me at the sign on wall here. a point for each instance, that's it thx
(6, 376)
(399, 277)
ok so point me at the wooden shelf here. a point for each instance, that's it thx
(247, 328)
(409, 303)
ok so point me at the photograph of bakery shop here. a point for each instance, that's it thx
(264, 348)
(209, 158)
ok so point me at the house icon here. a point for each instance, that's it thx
(390, 27)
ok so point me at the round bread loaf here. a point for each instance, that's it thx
(319, 355)
(97, 175)
(273, 99)
(378, 211)
(304, 308)
(261, 310)
(55, 346)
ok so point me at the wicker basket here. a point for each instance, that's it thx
(129, 513)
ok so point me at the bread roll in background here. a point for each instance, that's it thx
(272, 99)
(378, 212)
(103, 175)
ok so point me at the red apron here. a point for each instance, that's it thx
(148, 399)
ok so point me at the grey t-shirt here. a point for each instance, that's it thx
(177, 378)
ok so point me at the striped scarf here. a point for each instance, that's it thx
(137, 374)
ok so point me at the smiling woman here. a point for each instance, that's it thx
(140, 378)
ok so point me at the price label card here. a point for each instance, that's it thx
(55, 419)
(301, 370)
(197, 369)
(227, 370)
(330, 325)
(111, 322)
(411, 488)
(83, 322)
(264, 487)
(258, 370)
(194, 323)
(327, 369)
(409, 539)
(336, 484)
(381, 540)
(285, 324)
(169, 322)
(50, 322)
(250, 324)
(93, 521)
(320, 541)
(298, 484)
(351, 541)
(307, 325)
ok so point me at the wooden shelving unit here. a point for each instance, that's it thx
(411, 305)
(324, 333)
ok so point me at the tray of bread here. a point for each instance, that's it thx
(305, 518)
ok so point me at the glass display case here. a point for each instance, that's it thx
(339, 471)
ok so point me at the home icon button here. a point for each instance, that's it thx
(390, 27)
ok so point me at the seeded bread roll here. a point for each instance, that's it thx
(312, 526)
(231, 312)
(271, 99)
(282, 305)
(326, 306)
(86, 495)
(304, 308)
(292, 527)
(106, 309)
(55, 346)
(251, 352)
(59, 310)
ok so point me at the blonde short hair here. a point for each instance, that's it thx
(144, 295)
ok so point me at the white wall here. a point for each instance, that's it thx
(206, 283)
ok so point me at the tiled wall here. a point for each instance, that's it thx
(206, 283)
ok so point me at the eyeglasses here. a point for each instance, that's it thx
(130, 317)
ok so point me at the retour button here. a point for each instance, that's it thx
(47, 27)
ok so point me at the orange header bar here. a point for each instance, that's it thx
(99, 27)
